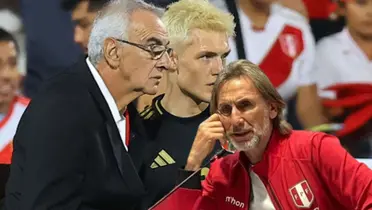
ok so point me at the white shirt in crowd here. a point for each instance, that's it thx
(340, 60)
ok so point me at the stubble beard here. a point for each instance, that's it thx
(254, 142)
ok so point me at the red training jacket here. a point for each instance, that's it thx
(303, 170)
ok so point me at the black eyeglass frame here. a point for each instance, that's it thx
(150, 48)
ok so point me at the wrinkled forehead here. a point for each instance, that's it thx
(146, 26)
(236, 89)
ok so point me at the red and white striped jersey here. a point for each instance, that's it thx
(8, 127)
(284, 49)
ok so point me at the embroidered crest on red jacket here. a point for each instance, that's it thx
(302, 195)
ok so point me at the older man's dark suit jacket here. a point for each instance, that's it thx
(68, 153)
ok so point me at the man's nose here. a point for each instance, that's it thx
(165, 62)
(218, 66)
(78, 35)
(236, 117)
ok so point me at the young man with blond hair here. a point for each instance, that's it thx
(198, 33)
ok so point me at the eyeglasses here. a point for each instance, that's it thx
(156, 51)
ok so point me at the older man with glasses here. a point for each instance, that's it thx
(80, 145)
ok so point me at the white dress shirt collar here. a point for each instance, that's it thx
(106, 93)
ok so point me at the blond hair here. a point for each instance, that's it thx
(244, 68)
(183, 16)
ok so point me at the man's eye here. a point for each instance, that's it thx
(207, 56)
(82, 23)
(85, 25)
(244, 105)
(204, 57)
(157, 49)
(225, 110)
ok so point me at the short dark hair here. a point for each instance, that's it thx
(5, 36)
(94, 5)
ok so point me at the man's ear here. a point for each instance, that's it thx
(174, 62)
(273, 111)
(111, 53)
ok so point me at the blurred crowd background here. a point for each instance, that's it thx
(44, 32)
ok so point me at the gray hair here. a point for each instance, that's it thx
(113, 21)
(244, 68)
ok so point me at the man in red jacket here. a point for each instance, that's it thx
(274, 167)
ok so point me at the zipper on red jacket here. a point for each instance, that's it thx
(276, 200)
